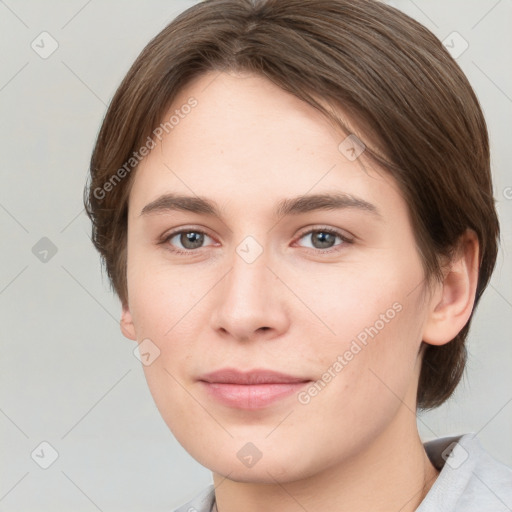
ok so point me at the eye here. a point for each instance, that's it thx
(324, 239)
(188, 239)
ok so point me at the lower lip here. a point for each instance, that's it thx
(256, 396)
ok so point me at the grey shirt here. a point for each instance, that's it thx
(470, 480)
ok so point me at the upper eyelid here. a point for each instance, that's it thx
(337, 231)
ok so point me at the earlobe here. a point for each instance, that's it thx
(451, 307)
(126, 323)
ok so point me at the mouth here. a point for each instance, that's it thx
(254, 389)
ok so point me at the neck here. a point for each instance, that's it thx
(393, 473)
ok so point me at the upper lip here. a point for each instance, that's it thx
(257, 376)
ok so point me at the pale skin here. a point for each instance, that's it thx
(246, 146)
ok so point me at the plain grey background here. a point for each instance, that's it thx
(68, 377)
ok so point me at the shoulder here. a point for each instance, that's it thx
(470, 480)
(203, 502)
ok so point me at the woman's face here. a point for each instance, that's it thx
(303, 262)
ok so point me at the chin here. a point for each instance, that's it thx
(263, 475)
(268, 469)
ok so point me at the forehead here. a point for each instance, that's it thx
(247, 139)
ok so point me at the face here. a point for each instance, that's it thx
(265, 278)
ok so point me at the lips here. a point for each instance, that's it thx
(254, 389)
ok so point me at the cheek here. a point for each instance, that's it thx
(375, 367)
(163, 297)
(163, 304)
(369, 360)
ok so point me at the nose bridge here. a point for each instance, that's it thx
(247, 282)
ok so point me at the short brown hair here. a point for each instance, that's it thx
(381, 67)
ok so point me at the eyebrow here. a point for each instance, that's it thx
(290, 206)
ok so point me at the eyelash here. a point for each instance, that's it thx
(330, 250)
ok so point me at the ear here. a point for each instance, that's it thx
(452, 303)
(127, 327)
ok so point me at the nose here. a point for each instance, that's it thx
(250, 301)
